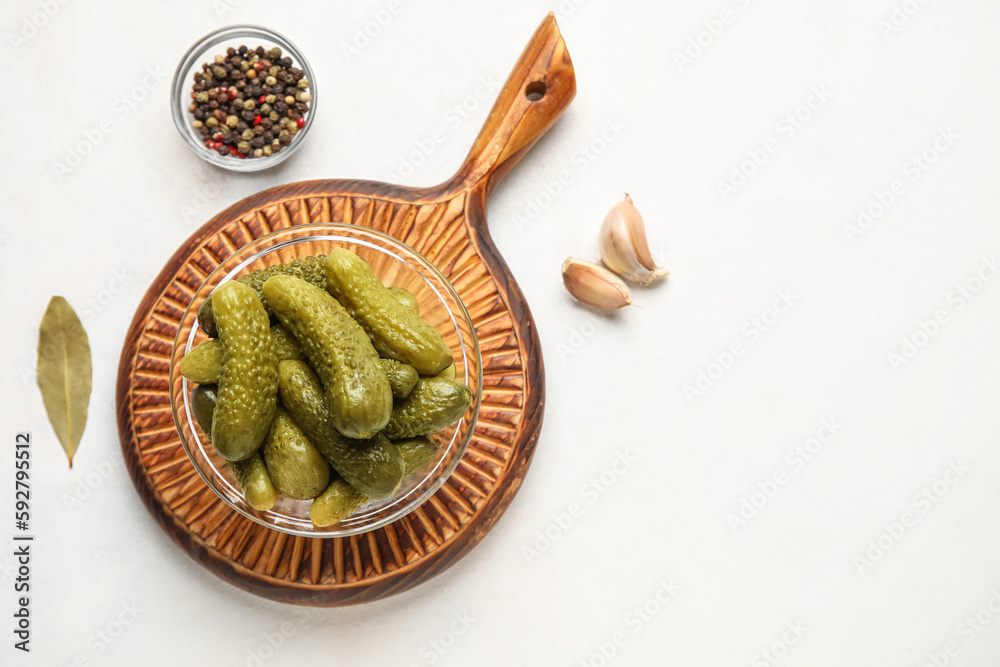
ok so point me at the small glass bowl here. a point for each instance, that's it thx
(394, 263)
(205, 50)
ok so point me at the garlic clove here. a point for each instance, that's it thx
(594, 285)
(624, 248)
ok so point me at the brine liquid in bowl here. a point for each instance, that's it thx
(396, 264)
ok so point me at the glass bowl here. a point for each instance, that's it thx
(396, 264)
(203, 51)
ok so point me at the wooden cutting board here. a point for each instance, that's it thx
(447, 224)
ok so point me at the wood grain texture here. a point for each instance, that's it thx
(447, 224)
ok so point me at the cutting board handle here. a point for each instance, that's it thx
(537, 91)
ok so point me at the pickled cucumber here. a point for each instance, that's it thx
(406, 298)
(251, 474)
(416, 451)
(203, 405)
(435, 403)
(310, 269)
(286, 346)
(402, 378)
(373, 466)
(254, 480)
(248, 384)
(358, 394)
(203, 364)
(448, 373)
(396, 331)
(296, 468)
(340, 500)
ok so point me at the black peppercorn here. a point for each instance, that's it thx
(246, 108)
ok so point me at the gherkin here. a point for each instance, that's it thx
(248, 384)
(435, 403)
(358, 393)
(310, 269)
(340, 500)
(402, 378)
(406, 298)
(396, 330)
(250, 473)
(416, 451)
(203, 364)
(203, 405)
(374, 466)
(296, 468)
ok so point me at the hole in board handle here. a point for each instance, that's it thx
(535, 91)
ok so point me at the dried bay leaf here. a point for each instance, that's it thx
(64, 372)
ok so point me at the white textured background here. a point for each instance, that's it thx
(821, 554)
